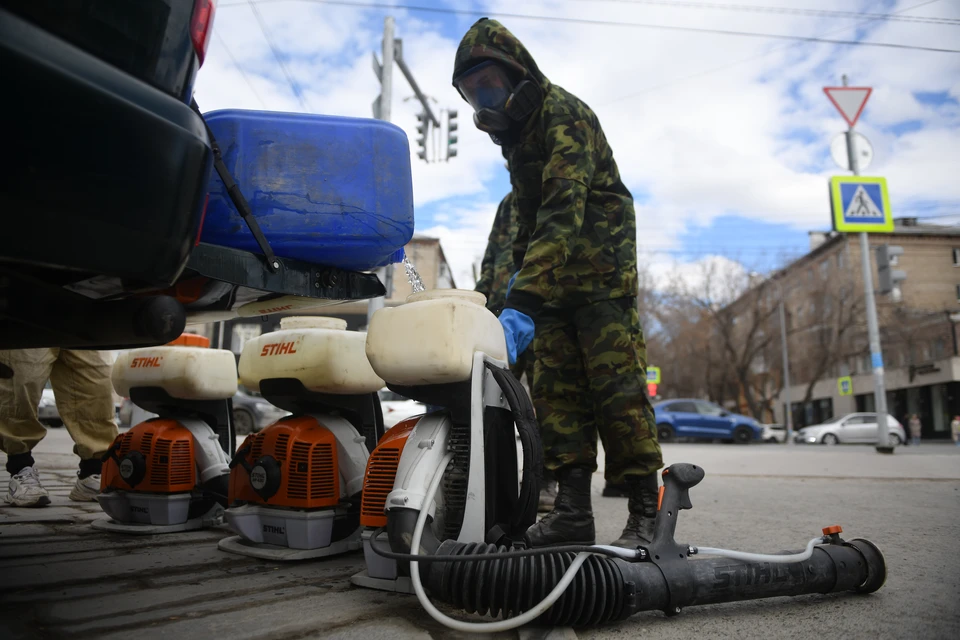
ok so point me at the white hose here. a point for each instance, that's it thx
(761, 557)
(478, 627)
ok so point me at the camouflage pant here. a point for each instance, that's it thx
(590, 377)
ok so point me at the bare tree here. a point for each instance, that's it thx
(738, 306)
(834, 312)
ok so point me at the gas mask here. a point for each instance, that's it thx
(498, 105)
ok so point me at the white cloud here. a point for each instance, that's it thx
(464, 239)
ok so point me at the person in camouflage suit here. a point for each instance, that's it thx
(495, 272)
(576, 260)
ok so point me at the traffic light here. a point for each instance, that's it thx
(451, 133)
(423, 125)
(888, 278)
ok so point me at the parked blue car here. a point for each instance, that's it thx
(686, 418)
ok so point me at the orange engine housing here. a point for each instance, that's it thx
(307, 453)
(167, 447)
(381, 473)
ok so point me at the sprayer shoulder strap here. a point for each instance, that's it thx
(526, 421)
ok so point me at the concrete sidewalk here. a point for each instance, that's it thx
(62, 579)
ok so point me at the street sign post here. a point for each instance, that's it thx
(653, 375)
(845, 386)
(862, 203)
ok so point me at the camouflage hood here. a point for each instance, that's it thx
(489, 40)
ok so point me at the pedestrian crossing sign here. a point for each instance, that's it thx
(845, 386)
(860, 204)
(653, 375)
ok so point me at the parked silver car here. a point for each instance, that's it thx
(851, 428)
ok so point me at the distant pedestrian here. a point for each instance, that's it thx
(955, 430)
(915, 429)
(84, 397)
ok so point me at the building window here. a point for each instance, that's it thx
(824, 269)
(956, 257)
(958, 293)
(841, 260)
(939, 348)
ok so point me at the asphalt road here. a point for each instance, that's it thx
(61, 579)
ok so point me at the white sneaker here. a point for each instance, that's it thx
(86, 489)
(25, 489)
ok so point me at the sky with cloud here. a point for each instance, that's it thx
(724, 140)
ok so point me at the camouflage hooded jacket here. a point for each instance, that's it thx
(497, 266)
(576, 240)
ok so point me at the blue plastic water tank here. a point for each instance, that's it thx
(325, 189)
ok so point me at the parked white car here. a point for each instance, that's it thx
(776, 433)
(851, 428)
(397, 407)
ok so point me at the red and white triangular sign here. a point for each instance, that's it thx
(849, 101)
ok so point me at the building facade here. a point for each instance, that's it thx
(826, 334)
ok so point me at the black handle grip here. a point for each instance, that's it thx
(677, 480)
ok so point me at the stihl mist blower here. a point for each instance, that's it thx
(445, 508)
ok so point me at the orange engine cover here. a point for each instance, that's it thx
(307, 455)
(167, 450)
(382, 472)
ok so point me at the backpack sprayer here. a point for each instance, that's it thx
(444, 512)
(295, 486)
(169, 473)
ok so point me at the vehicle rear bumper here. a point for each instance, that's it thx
(102, 173)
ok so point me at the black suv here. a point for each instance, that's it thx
(105, 167)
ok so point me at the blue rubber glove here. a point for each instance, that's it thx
(518, 331)
(513, 279)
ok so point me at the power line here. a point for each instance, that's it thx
(813, 13)
(276, 54)
(724, 67)
(613, 23)
(236, 64)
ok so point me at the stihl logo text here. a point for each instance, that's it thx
(269, 528)
(134, 509)
(274, 309)
(278, 349)
(139, 363)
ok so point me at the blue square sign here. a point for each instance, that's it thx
(860, 204)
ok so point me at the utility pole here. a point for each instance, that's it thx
(873, 326)
(786, 369)
(381, 111)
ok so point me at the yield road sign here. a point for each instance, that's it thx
(849, 101)
(653, 375)
(860, 204)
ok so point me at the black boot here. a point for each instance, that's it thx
(571, 521)
(642, 503)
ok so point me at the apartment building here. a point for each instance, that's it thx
(822, 293)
